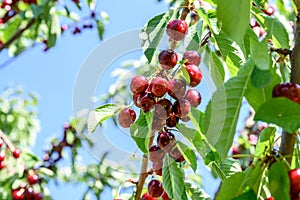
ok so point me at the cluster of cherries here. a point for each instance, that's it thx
(287, 90)
(151, 94)
(15, 153)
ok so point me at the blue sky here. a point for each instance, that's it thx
(52, 74)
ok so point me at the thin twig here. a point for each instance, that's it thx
(7, 141)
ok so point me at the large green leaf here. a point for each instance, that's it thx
(215, 66)
(173, 178)
(261, 78)
(280, 111)
(152, 33)
(193, 38)
(234, 16)
(141, 130)
(188, 154)
(249, 195)
(191, 135)
(101, 114)
(231, 52)
(231, 187)
(257, 96)
(222, 112)
(196, 193)
(279, 183)
(230, 166)
(260, 54)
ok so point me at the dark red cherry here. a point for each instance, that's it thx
(167, 59)
(176, 88)
(294, 176)
(192, 57)
(126, 117)
(195, 74)
(287, 90)
(172, 121)
(163, 109)
(17, 152)
(155, 188)
(157, 168)
(138, 84)
(2, 165)
(166, 141)
(136, 100)
(33, 179)
(177, 29)
(2, 156)
(182, 108)
(147, 101)
(176, 154)
(165, 196)
(156, 154)
(147, 196)
(159, 86)
(194, 97)
(269, 10)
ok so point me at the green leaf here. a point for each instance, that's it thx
(101, 114)
(231, 187)
(10, 29)
(279, 183)
(191, 135)
(280, 111)
(173, 178)
(231, 52)
(193, 38)
(257, 96)
(265, 142)
(215, 66)
(234, 18)
(140, 131)
(47, 172)
(196, 193)
(230, 166)
(100, 28)
(223, 110)
(188, 154)
(260, 54)
(182, 74)
(152, 33)
(260, 78)
(249, 195)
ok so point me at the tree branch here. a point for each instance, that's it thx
(17, 34)
(7, 141)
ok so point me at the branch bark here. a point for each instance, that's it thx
(17, 34)
(288, 139)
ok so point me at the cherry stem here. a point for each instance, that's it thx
(7, 141)
(288, 140)
(144, 172)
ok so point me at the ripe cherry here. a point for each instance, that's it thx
(165, 196)
(1, 141)
(163, 109)
(38, 196)
(166, 141)
(177, 29)
(176, 88)
(269, 11)
(156, 154)
(182, 108)
(136, 100)
(33, 179)
(270, 198)
(155, 188)
(146, 101)
(147, 196)
(138, 84)
(192, 57)
(2, 156)
(126, 117)
(2, 165)
(195, 74)
(16, 153)
(176, 154)
(294, 176)
(167, 59)
(17, 195)
(194, 97)
(287, 90)
(157, 168)
(172, 121)
(159, 86)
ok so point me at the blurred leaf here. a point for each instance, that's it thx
(101, 114)
(265, 141)
(260, 54)
(193, 38)
(230, 166)
(196, 193)
(279, 183)
(261, 78)
(100, 28)
(182, 74)
(287, 116)
(173, 178)
(141, 130)
(249, 195)
(188, 154)
(47, 172)
(191, 135)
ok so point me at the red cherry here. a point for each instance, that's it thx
(177, 29)
(182, 108)
(165, 196)
(163, 109)
(167, 59)
(16, 153)
(147, 101)
(287, 90)
(33, 179)
(2, 165)
(176, 88)
(38, 196)
(195, 74)
(176, 154)
(269, 11)
(172, 121)
(194, 97)
(147, 196)
(156, 154)
(17, 195)
(157, 167)
(159, 86)
(2, 156)
(138, 84)
(155, 188)
(192, 57)
(166, 141)
(294, 176)
(136, 100)
(235, 150)
(126, 117)
(270, 198)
